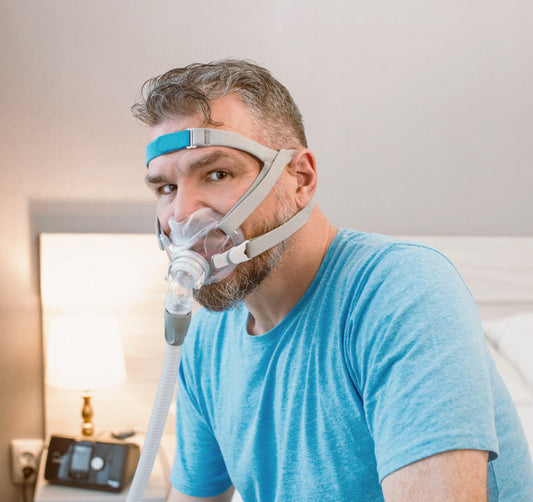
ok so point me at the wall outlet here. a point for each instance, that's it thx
(25, 455)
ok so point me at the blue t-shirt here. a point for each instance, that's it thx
(381, 363)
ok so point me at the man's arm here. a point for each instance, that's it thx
(175, 496)
(457, 476)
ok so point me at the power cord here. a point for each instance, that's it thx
(27, 471)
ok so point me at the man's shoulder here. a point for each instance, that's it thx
(368, 264)
(365, 249)
(375, 242)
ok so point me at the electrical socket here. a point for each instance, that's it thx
(25, 453)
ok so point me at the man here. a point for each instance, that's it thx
(335, 365)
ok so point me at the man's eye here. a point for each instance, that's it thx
(218, 175)
(166, 189)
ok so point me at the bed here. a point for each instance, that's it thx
(124, 273)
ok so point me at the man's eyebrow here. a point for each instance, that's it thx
(211, 158)
(155, 179)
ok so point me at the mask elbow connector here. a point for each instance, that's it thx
(176, 328)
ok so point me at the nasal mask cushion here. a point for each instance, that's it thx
(233, 249)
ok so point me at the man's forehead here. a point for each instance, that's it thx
(227, 112)
(171, 125)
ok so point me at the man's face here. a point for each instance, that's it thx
(216, 177)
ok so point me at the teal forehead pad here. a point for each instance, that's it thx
(168, 143)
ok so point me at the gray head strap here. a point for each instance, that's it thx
(254, 247)
(257, 192)
(273, 164)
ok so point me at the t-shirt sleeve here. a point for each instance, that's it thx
(198, 469)
(419, 360)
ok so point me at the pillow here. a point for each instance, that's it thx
(526, 417)
(513, 337)
(510, 341)
(520, 391)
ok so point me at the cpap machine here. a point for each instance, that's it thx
(203, 249)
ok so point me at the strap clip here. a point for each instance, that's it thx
(235, 255)
(199, 137)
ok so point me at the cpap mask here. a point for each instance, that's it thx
(210, 267)
(190, 246)
(200, 233)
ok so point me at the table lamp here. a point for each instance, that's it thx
(84, 352)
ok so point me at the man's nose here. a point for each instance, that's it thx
(186, 202)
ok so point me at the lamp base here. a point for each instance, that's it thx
(87, 428)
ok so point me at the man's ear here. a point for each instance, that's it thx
(303, 168)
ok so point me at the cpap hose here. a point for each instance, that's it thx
(186, 273)
(157, 423)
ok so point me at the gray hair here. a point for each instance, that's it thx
(189, 90)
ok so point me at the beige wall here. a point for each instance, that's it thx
(420, 114)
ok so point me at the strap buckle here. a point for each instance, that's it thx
(198, 137)
(234, 256)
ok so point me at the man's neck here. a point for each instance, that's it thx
(287, 283)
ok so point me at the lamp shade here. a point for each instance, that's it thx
(84, 352)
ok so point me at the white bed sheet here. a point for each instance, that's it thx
(510, 340)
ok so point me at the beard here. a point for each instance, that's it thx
(247, 276)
